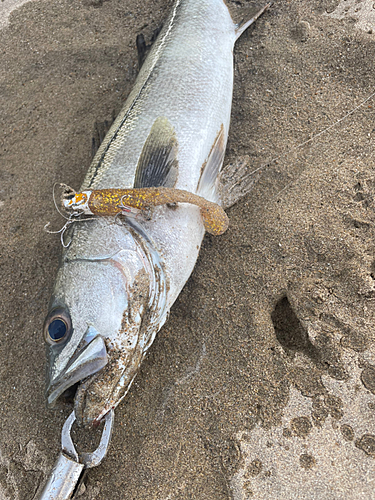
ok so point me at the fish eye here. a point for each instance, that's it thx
(57, 326)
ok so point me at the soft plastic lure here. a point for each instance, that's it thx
(112, 202)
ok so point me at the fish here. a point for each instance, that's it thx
(119, 276)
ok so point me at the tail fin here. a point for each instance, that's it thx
(244, 25)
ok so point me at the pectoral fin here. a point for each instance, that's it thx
(158, 164)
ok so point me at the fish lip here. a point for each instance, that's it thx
(90, 357)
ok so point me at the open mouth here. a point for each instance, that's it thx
(69, 394)
(90, 357)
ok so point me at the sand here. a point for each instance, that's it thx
(261, 384)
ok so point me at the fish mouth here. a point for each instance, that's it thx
(90, 357)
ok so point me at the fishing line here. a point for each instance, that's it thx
(62, 230)
(314, 136)
(54, 199)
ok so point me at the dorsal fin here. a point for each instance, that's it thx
(100, 131)
(211, 168)
(142, 48)
(158, 164)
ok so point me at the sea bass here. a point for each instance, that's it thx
(120, 276)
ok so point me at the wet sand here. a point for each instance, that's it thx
(261, 384)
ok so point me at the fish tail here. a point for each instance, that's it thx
(244, 25)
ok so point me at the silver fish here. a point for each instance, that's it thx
(117, 281)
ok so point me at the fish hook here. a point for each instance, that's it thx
(68, 192)
(69, 221)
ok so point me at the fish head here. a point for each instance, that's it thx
(98, 327)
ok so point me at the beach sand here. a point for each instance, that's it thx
(261, 384)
